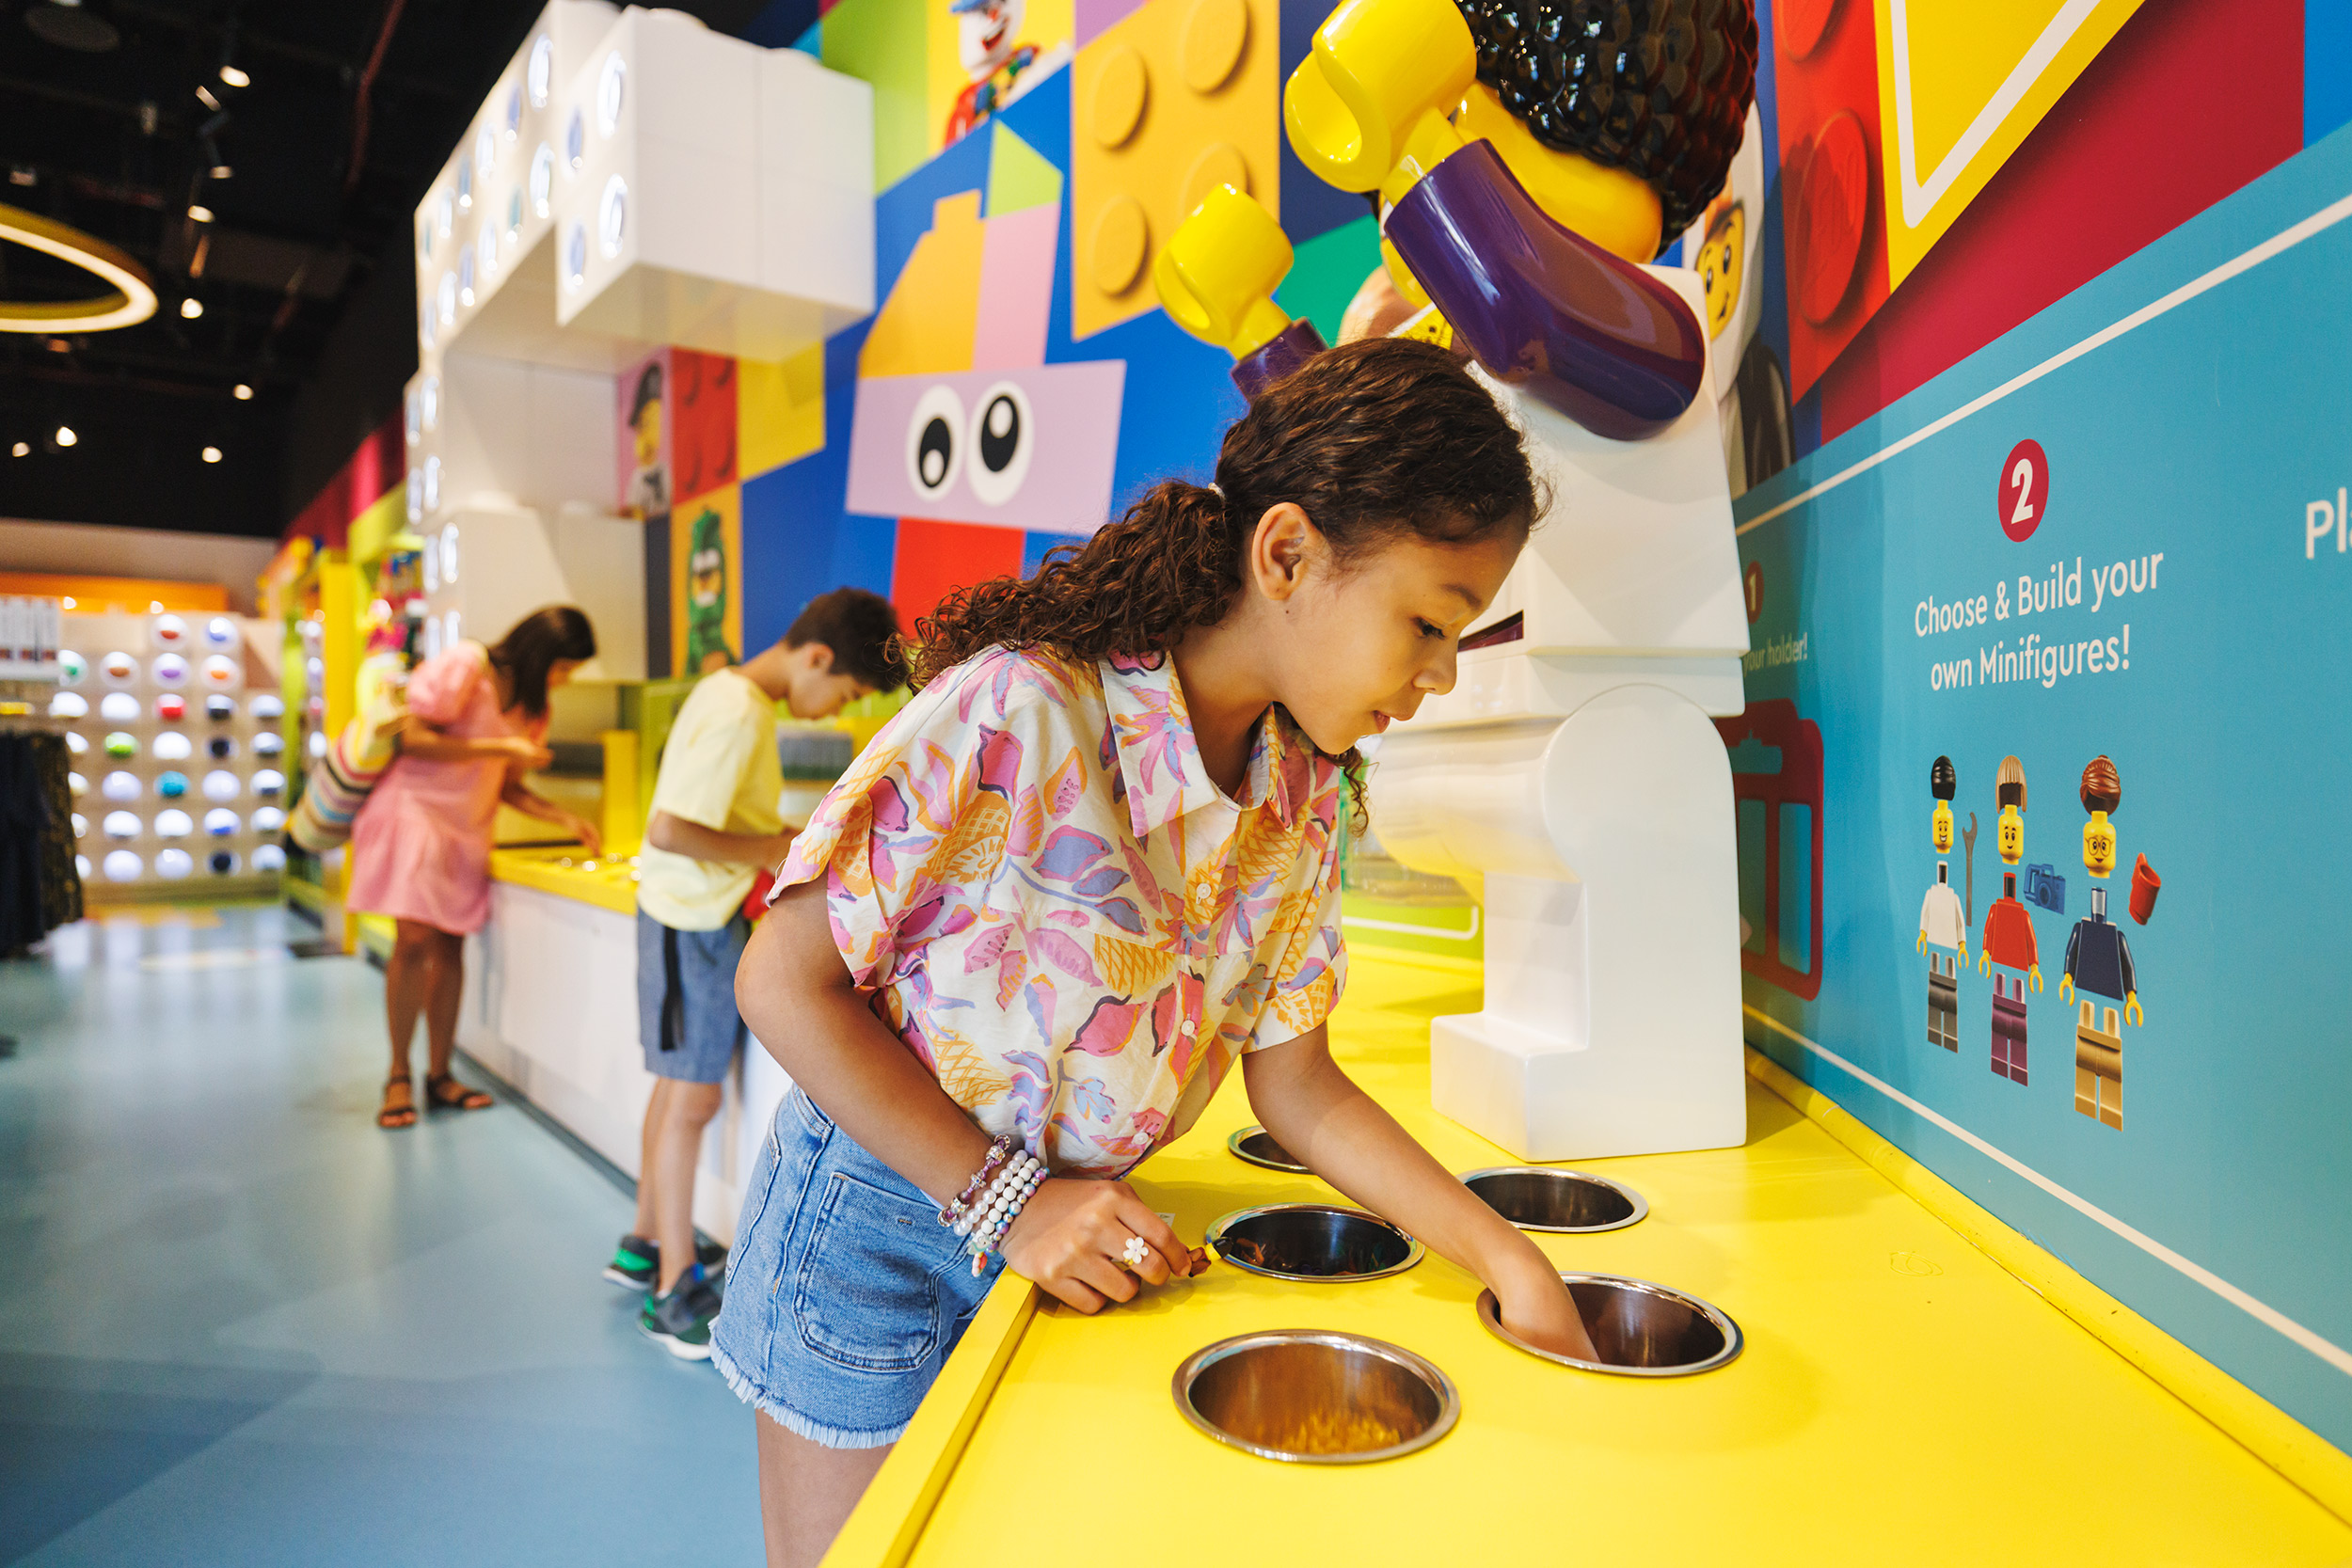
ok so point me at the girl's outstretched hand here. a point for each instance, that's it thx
(1073, 1236)
(1540, 1313)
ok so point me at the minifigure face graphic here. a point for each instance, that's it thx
(1721, 259)
(1943, 825)
(2011, 829)
(706, 581)
(2099, 845)
(650, 433)
(985, 35)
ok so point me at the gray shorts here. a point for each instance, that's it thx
(686, 1017)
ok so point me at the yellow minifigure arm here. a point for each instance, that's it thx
(2133, 1012)
(2033, 977)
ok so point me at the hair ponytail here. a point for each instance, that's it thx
(1371, 439)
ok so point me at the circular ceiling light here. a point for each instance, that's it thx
(242, 392)
(540, 73)
(613, 217)
(72, 28)
(611, 82)
(211, 454)
(129, 300)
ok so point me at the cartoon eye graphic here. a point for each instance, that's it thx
(935, 441)
(1004, 433)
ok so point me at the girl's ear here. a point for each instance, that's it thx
(1281, 549)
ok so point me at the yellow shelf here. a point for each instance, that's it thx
(1903, 1398)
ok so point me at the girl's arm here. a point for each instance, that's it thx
(1337, 1131)
(427, 743)
(680, 836)
(798, 997)
(531, 804)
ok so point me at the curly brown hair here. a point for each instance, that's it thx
(1372, 440)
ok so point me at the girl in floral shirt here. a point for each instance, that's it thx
(1092, 863)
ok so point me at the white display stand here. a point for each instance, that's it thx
(1575, 781)
(550, 1006)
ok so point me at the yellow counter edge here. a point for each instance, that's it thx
(2307, 1460)
(889, 1519)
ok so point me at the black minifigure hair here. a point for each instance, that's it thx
(1943, 783)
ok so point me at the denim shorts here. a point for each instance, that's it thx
(686, 1017)
(845, 1294)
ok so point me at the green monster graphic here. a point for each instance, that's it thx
(706, 597)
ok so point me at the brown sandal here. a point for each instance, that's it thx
(444, 1092)
(392, 1116)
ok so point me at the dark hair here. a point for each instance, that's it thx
(1373, 440)
(532, 646)
(862, 630)
(648, 389)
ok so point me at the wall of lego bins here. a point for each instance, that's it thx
(179, 763)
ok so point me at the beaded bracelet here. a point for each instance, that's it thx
(970, 1219)
(1010, 1195)
(950, 1212)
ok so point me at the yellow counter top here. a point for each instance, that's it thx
(570, 872)
(1902, 1400)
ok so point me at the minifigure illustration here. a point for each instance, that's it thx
(706, 646)
(1722, 259)
(2099, 961)
(994, 64)
(1943, 926)
(2009, 954)
(648, 492)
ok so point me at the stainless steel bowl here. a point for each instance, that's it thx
(1257, 1146)
(1315, 1398)
(1313, 1241)
(1537, 1197)
(1640, 1329)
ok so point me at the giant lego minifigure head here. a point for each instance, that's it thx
(2011, 827)
(2103, 792)
(986, 33)
(1943, 783)
(1621, 120)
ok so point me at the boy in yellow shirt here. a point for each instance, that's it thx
(714, 825)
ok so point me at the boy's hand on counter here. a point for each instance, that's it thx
(1073, 1236)
(1541, 1313)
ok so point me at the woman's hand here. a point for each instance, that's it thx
(1536, 1307)
(584, 830)
(1070, 1236)
(528, 753)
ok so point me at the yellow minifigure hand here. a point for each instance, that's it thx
(2066, 989)
(2133, 1013)
(1922, 945)
(2033, 978)
(1984, 961)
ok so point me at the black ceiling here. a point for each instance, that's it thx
(351, 108)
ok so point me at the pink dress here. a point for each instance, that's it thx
(421, 846)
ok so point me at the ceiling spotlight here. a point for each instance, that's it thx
(191, 307)
(244, 393)
(211, 454)
(206, 94)
(221, 171)
(235, 78)
(200, 212)
(65, 437)
(23, 174)
(67, 601)
(23, 448)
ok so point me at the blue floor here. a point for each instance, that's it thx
(240, 1324)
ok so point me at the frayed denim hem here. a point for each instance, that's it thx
(792, 1420)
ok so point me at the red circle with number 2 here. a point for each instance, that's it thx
(2024, 490)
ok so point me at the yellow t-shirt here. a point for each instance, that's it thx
(719, 770)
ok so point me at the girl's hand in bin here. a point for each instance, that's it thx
(1072, 1236)
(1541, 1313)
(585, 830)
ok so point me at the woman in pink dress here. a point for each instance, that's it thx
(421, 846)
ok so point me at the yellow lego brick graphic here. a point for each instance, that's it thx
(779, 410)
(1177, 98)
(924, 327)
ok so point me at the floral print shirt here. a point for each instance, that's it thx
(1061, 914)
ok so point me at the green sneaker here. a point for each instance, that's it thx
(636, 1263)
(680, 1321)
